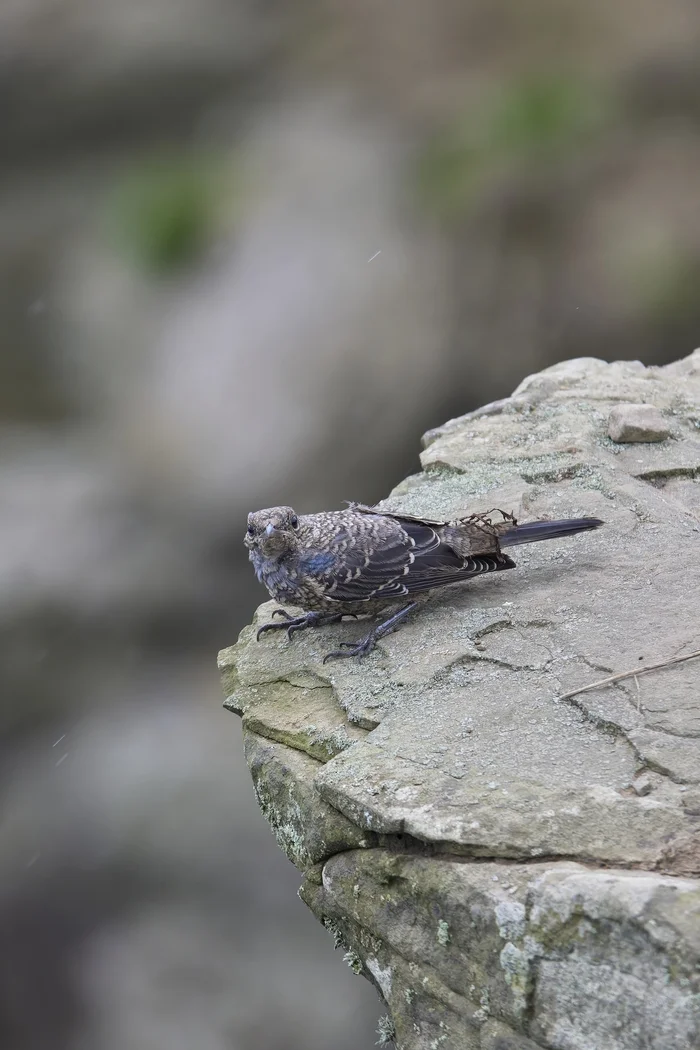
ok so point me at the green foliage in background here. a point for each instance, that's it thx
(532, 122)
(162, 212)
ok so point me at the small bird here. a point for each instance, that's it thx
(361, 560)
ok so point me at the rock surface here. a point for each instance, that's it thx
(630, 423)
(511, 870)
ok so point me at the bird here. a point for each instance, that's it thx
(363, 560)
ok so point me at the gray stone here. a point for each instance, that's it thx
(637, 423)
(643, 785)
(631, 977)
(307, 829)
(552, 955)
(512, 870)
(497, 1036)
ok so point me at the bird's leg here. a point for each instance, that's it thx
(292, 624)
(367, 644)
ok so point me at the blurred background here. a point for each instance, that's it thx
(249, 251)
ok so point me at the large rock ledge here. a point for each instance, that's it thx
(510, 870)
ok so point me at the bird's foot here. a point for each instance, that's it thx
(292, 624)
(359, 649)
(367, 644)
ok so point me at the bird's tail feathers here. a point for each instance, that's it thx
(533, 531)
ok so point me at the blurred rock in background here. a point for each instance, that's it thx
(248, 253)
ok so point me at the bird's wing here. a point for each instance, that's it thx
(361, 508)
(393, 560)
(424, 577)
(374, 557)
(470, 535)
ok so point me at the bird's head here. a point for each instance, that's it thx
(272, 532)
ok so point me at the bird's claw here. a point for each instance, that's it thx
(268, 627)
(367, 644)
(286, 617)
(292, 624)
(288, 624)
(292, 628)
(350, 649)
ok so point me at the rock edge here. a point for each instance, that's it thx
(509, 871)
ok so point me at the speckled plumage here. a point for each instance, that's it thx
(360, 560)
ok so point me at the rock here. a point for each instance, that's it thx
(510, 870)
(497, 1036)
(307, 828)
(643, 785)
(637, 423)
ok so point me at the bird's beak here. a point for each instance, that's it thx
(269, 529)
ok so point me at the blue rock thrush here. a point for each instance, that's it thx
(362, 560)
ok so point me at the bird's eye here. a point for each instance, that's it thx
(294, 521)
(251, 530)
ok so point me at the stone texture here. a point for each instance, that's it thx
(520, 956)
(628, 423)
(307, 829)
(497, 1036)
(513, 871)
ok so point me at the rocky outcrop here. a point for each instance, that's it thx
(512, 866)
